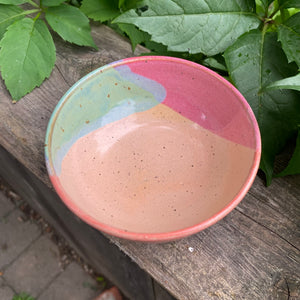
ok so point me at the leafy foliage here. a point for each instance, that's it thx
(8, 15)
(14, 2)
(289, 36)
(26, 43)
(27, 50)
(190, 25)
(252, 43)
(71, 24)
(52, 2)
(290, 83)
(101, 10)
(253, 63)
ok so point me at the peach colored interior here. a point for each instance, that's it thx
(154, 172)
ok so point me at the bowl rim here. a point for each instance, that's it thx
(164, 236)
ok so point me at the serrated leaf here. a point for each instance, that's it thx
(193, 26)
(292, 83)
(289, 3)
(52, 2)
(294, 164)
(100, 10)
(8, 15)
(254, 61)
(289, 36)
(13, 2)
(27, 56)
(136, 36)
(71, 24)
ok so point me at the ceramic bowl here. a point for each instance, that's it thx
(152, 148)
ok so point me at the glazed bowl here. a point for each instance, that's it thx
(152, 148)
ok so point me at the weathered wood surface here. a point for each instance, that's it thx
(253, 253)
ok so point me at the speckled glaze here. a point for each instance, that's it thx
(152, 148)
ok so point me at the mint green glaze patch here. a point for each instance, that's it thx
(102, 97)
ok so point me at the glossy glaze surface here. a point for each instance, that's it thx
(153, 172)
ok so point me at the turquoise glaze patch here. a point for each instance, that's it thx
(102, 99)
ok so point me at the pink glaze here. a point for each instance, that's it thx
(210, 101)
(153, 172)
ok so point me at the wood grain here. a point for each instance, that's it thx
(253, 253)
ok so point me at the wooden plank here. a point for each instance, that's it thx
(253, 253)
(237, 258)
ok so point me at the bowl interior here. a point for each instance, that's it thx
(152, 148)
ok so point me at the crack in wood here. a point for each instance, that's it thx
(288, 288)
(264, 226)
(62, 75)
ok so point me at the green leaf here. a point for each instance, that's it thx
(211, 62)
(27, 56)
(292, 83)
(158, 48)
(265, 4)
(71, 24)
(8, 15)
(22, 296)
(52, 2)
(136, 36)
(13, 2)
(129, 4)
(294, 164)
(289, 36)
(194, 26)
(254, 61)
(289, 3)
(100, 10)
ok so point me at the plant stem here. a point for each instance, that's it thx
(37, 16)
(33, 3)
(28, 12)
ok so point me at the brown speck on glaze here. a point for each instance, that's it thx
(116, 83)
(108, 95)
(80, 105)
(62, 129)
(87, 121)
